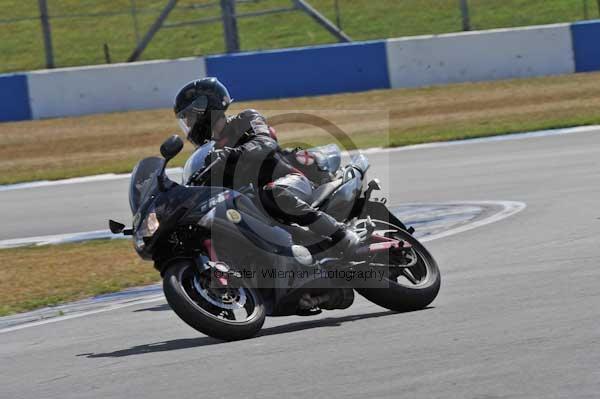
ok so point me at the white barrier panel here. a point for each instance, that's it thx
(110, 88)
(476, 56)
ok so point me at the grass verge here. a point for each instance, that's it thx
(35, 277)
(49, 149)
(68, 147)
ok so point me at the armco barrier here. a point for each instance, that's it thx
(302, 72)
(117, 87)
(406, 62)
(477, 56)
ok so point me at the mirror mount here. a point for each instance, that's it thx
(118, 228)
(115, 227)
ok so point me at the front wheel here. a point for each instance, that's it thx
(405, 289)
(229, 314)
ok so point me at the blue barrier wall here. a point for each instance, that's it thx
(308, 71)
(14, 98)
(586, 45)
(302, 72)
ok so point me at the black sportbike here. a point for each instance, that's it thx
(226, 264)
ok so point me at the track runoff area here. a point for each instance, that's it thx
(517, 315)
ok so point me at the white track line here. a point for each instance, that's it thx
(491, 139)
(505, 137)
(509, 208)
(55, 239)
(154, 298)
(75, 180)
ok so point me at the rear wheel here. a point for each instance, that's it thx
(405, 288)
(227, 313)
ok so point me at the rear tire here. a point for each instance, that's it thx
(391, 294)
(186, 295)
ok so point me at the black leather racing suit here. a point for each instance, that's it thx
(254, 156)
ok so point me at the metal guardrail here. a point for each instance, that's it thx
(228, 17)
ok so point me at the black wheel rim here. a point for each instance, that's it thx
(417, 276)
(233, 305)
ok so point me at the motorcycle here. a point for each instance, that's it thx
(226, 264)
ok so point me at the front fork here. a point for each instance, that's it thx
(377, 209)
(221, 274)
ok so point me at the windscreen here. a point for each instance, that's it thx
(143, 181)
(196, 161)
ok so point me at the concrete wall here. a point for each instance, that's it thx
(116, 87)
(406, 62)
(476, 56)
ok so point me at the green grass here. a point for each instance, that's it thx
(79, 41)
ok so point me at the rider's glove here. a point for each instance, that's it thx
(219, 157)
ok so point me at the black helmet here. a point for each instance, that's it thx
(198, 105)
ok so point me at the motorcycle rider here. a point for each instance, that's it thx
(247, 151)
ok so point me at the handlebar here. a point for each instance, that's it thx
(199, 174)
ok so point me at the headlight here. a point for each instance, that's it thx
(148, 226)
(146, 229)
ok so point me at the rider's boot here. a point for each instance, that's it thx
(339, 298)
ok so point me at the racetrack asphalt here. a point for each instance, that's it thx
(518, 315)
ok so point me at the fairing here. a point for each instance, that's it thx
(143, 181)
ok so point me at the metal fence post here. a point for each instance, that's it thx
(136, 28)
(230, 30)
(139, 49)
(45, 20)
(321, 20)
(338, 20)
(106, 53)
(464, 10)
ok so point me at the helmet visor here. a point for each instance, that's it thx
(188, 116)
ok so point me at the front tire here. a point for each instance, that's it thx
(399, 293)
(238, 313)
